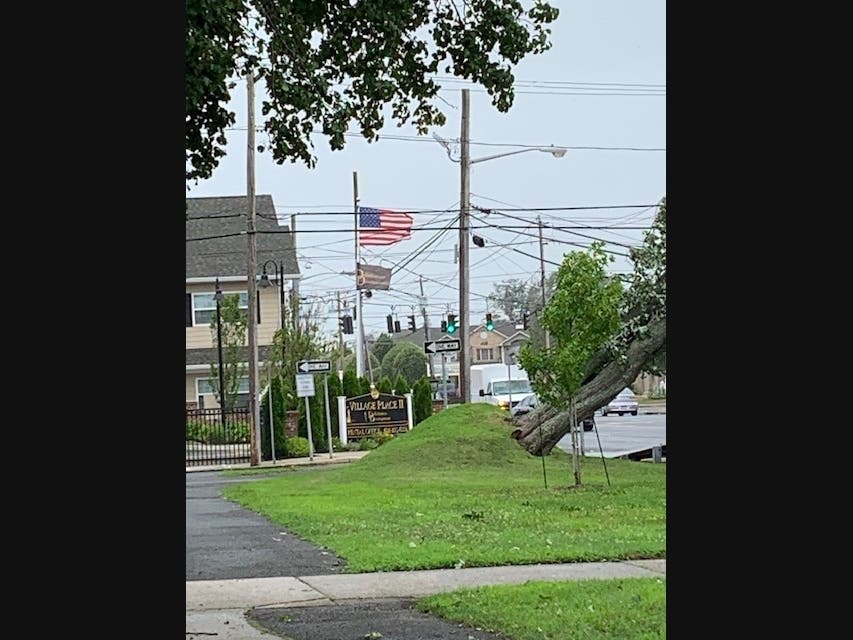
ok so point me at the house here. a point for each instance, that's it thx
(216, 250)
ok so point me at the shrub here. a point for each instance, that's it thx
(366, 444)
(297, 447)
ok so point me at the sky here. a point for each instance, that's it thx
(603, 47)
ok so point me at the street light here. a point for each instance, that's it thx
(278, 270)
(465, 162)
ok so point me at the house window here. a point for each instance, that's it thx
(485, 354)
(204, 306)
(203, 388)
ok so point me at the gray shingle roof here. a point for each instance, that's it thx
(207, 356)
(227, 256)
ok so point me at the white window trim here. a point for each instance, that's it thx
(206, 293)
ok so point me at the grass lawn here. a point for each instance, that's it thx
(617, 609)
(458, 491)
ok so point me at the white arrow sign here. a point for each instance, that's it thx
(306, 366)
(435, 346)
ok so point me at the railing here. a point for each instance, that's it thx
(217, 436)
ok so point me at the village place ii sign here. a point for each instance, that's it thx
(375, 413)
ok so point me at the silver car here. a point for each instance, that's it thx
(527, 404)
(624, 402)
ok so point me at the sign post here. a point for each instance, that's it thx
(328, 415)
(305, 389)
(442, 347)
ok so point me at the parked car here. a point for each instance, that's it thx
(527, 404)
(624, 402)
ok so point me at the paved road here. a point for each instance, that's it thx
(225, 541)
(621, 434)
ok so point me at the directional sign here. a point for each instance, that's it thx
(304, 385)
(306, 366)
(437, 346)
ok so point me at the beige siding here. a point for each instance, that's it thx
(199, 337)
(209, 398)
(492, 341)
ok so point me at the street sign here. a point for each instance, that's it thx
(310, 366)
(304, 385)
(437, 346)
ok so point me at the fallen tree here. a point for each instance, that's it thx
(638, 346)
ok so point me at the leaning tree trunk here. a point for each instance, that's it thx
(594, 393)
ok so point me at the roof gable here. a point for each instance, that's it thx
(217, 256)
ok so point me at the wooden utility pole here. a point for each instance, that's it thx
(254, 407)
(542, 280)
(431, 359)
(340, 336)
(464, 210)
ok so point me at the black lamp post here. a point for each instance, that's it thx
(278, 270)
(218, 297)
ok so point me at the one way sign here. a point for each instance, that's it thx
(309, 366)
(436, 346)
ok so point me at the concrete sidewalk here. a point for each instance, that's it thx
(218, 607)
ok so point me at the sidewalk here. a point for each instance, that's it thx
(338, 457)
(217, 607)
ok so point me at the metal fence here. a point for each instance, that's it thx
(218, 436)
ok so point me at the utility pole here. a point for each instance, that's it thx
(254, 408)
(340, 336)
(431, 358)
(464, 210)
(542, 280)
(359, 339)
(294, 290)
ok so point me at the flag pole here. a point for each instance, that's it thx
(359, 354)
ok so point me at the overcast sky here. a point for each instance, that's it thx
(604, 47)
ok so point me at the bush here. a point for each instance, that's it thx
(382, 437)
(366, 444)
(234, 433)
(297, 447)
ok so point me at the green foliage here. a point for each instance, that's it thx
(297, 447)
(402, 506)
(581, 316)
(421, 400)
(339, 66)
(513, 297)
(382, 346)
(366, 444)
(233, 330)
(375, 366)
(401, 385)
(405, 359)
(384, 385)
(351, 385)
(214, 433)
(363, 386)
(279, 420)
(615, 609)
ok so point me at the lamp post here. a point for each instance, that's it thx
(464, 211)
(218, 297)
(278, 270)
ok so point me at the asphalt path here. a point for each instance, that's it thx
(226, 541)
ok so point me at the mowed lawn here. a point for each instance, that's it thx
(457, 491)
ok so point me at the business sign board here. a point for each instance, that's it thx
(374, 413)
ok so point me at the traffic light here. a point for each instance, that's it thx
(451, 323)
(479, 241)
(444, 326)
(490, 326)
(346, 324)
(389, 320)
(396, 326)
(412, 326)
(526, 320)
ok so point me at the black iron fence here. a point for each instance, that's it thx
(218, 436)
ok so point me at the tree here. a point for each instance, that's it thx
(328, 65)
(373, 365)
(401, 385)
(640, 339)
(581, 316)
(383, 345)
(421, 400)
(405, 359)
(384, 385)
(234, 325)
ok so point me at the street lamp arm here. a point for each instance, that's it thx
(557, 152)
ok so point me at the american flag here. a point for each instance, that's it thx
(377, 227)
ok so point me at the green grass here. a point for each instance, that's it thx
(615, 609)
(458, 491)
